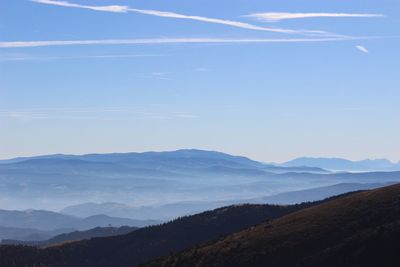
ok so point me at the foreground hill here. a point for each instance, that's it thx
(146, 244)
(361, 229)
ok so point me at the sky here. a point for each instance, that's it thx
(271, 80)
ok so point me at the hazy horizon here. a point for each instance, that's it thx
(171, 150)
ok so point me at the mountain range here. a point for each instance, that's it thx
(73, 236)
(354, 229)
(159, 212)
(339, 164)
(40, 225)
(173, 210)
(157, 179)
(29, 234)
(98, 190)
(48, 220)
(151, 178)
(89, 215)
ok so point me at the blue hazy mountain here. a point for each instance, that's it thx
(71, 236)
(174, 210)
(159, 185)
(184, 157)
(319, 193)
(49, 221)
(150, 178)
(29, 234)
(90, 210)
(158, 212)
(104, 220)
(36, 219)
(180, 159)
(344, 164)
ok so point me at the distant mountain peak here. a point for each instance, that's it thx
(344, 164)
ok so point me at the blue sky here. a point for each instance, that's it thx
(320, 78)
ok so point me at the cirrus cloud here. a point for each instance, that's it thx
(111, 8)
(278, 16)
(362, 49)
(237, 24)
(159, 41)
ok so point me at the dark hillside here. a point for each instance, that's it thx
(148, 243)
(362, 229)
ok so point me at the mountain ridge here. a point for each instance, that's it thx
(360, 229)
(50, 221)
(72, 236)
(341, 164)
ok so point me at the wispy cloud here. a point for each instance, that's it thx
(125, 9)
(278, 16)
(232, 23)
(23, 115)
(112, 8)
(19, 44)
(56, 58)
(106, 113)
(362, 49)
(185, 116)
(202, 69)
(160, 75)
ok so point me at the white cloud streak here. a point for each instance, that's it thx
(278, 16)
(112, 8)
(362, 49)
(159, 41)
(48, 58)
(237, 24)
